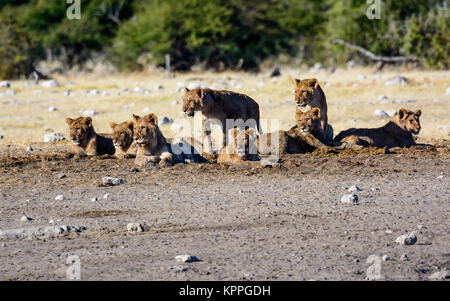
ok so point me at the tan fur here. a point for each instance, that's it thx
(123, 139)
(396, 133)
(220, 105)
(85, 140)
(240, 147)
(150, 143)
(309, 95)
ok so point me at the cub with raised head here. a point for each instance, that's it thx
(309, 95)
(123, 139)
(222, 106)
(396, 133)
(85, 140)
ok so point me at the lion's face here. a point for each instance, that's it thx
(122, 134)
(309, 121)
(80, 129)
(409, 120)
(304, 91)
(195, 100)
(145, 129)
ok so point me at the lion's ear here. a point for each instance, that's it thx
(112, 125)
(152, 118)
(315, 113)
(313, 83)
(130, 125)
(186, 90)
(87, 121)
(402, 113)
(418, 113)
(69, 121)
(296, 81)
(136, 118)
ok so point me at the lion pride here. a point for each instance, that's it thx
(222, 106)
(85, 140)
(396, 133)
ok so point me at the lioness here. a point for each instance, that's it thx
(308, 95)
(152, 146)
(222, 106)
(85, 140)
(242, 146)
(306, 136)
(396, 133)
(123, 139)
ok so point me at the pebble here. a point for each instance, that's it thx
(39, 232)
(60, 176)
(180, 269)
(2, 136)
(52, 109)
(186, 258)
(349, 199)
(88, 113)
(354, 188)
(94, 199)
(68, 93)
(113, 181)
(29, 149)
(106, 196)
(388, 231)
(385, 258)
(5, 84)
(404, 257)
(159, 87)
(26, 219)
(357, 260)
(396, 80)
(440, 275)
(380, 113)
(59, 197)
(407, 239)
(50, 84)
(166, 120)
(53, 137)
(135, 227)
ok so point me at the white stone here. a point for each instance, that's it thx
(38, 232)
(53, 137)
(94, 92)
(186, 258)
(50, 84)
(25, 218)
(349, 199)
(159, 87)
(94, 199)
(354, 188)
(113, 181)
(59, 197)
(380, 113)
(29, 149)
(107, 196)
(385, 258)
(88, 113)
(407, 239)
(52, 109)
(135, 227)
(396, 80)
(5, 84)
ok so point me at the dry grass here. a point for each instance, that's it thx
(24, 118)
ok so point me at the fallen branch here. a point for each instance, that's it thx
(376, 58)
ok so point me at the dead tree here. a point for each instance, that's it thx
(380, 60)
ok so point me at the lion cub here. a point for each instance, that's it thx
(396, 133)
(222, 106)
(123, 139)
(309, 95)
(242, 146)
(85, 140)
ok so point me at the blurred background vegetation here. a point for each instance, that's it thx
(218, 34)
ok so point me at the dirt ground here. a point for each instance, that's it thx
(283, 222)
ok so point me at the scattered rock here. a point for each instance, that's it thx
(276, 72)
(380, 113)
(269, 162)
(59, 197)
(354, 188)
(180, 269)
(158, 87)
(391, 113)
(68, 93)
(404, 257)
(25, 219)
(95, 199)
(357, 260)
(50, 84)
(186, 258)
(407, 239)
(142, 90)
(361, 77)
(107, 196)
(134, 169)
(396, 80)
(60, 176)
(5, 84)
(53, 137)
(349, 199)
(52, 109)
(146, 110)
(39, 232)
(166, 120)
(385, 258)
(94, 92)
(440, 275)
(29, 148)
(135, 228)
(2, 136)
(388, 231)
(88, 113)
(113, 181)
(382, 97)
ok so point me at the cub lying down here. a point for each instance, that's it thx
(123, 139)
(396, 133)
(85, 140)
(153, 148)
